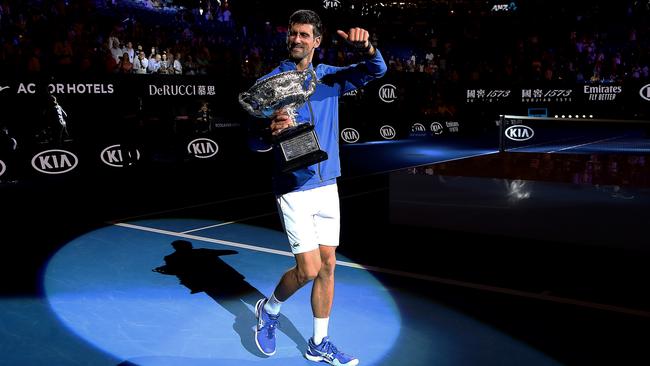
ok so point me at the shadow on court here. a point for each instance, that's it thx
(202, 270)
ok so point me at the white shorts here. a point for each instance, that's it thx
(311, 218)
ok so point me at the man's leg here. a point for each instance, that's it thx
(322, 295)
(322, 292)
(308, 267)
(267, 310)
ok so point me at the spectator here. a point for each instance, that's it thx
(141, 63)
(124, 66)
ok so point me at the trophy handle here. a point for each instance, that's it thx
(243, 97)
(312, 82)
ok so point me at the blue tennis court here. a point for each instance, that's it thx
(405, 294)
(102, 290)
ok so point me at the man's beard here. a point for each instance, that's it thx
(297, 52)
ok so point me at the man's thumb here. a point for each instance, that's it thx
(342, 34)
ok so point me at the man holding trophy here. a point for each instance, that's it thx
(302, 103)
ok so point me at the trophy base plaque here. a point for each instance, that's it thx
(298, 147)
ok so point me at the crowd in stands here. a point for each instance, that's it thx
(451, 41)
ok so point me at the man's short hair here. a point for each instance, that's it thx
(307, 17)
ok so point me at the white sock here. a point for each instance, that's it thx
(320, 329)
(273, 305)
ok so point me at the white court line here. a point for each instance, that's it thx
(228, 222)
(585, 144)
(446, 281)
(202, 238)
(265, 214)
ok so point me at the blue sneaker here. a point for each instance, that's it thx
(265, 329)
(326, 351)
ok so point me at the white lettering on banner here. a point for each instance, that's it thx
(486, 95)
(331, 4)
(601, 92)
(387, 132)
(418, 127)
(26, 89)
(602, 97)
(113, 156)
(497, 93)
(519, 133)
(182, 90)
(388, 93)
(436, 128)
(546, 95)
(500, 7)
(226, 124)
(79, 88)
(602, 89)
(54, 161)
(350, 135)
(202, 148)
(452, 126)
(3, 168)
(645, 92)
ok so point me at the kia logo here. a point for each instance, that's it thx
(387, 132)
(202, 148)
(114, 156)
(350, 135)
(388, 93)
(645, 92)
(3, 168)
(436, 128)
(54, 161)
(519, 133)
(418, 127)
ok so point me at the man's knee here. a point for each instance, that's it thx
(308, 265)
(307, 273)
(327, 266)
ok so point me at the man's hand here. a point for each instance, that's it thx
(280, 120)
(358, 38)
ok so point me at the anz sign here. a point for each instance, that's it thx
(519, 133)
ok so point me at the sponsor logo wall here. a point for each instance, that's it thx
(62, 126)
(397, 106)
(105, 125)
(606, 100)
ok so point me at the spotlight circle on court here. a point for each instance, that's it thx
(102, 287)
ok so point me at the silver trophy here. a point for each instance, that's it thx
(298, 145)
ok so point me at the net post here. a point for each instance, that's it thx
(502, 122)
